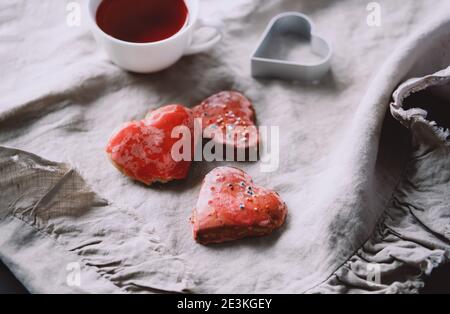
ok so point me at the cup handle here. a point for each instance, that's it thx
(203, 46)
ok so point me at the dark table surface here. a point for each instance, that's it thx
(8, 283)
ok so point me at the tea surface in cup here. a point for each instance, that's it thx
(142, 21)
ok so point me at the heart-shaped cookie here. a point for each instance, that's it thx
(231, 207)
(142, 149)
(232, 114)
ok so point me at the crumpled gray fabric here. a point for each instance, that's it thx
(413, 236)
(51, 202)
(341, 168)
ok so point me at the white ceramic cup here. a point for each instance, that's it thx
(153, 56)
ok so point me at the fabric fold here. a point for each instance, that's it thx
(413, 236)
(42, 196)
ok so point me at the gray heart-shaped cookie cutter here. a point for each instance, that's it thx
(298, 24)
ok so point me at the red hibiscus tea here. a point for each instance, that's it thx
(142, 21)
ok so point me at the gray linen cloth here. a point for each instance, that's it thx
(368, 195)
